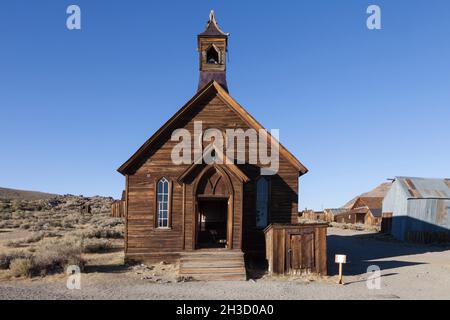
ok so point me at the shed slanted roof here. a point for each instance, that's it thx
(425, 188)
(377, 212)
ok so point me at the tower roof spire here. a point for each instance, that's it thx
(212, 28)
(212, 49)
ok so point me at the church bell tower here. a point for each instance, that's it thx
(212, 48)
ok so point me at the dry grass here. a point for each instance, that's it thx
(31, 239)
(50, 256)
(8, 257)
(356, 227)
(63, 232)
(96, 245)
(22, 267)
(102, 232)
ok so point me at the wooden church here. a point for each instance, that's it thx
(206, 216)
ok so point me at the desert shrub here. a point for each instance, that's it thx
(55, 254)
(5, 207)
(20, 214)
(22, 267)
(40, 223)
(70, 220)
(52, 234)
(105, 233)
(8, 257)
(67, 225)
(25, 226)
(55, 223)
(15, 224)
(5, 215)
(111, 222)
(96, 245)
(31, 239)
(357, 226)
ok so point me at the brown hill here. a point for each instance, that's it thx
(13, 194)
(379, 192)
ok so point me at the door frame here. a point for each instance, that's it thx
(229, 215)
(229, 196)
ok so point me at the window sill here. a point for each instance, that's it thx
(163, 229)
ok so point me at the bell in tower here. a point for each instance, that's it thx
(212, 48)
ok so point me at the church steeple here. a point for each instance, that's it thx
(212, 48)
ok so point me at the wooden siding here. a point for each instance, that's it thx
(118, 209)
(293, 249)
(145, 239)
(314, 215)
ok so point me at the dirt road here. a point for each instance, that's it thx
(407, 272)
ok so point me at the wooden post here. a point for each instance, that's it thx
(340, 274)
(341, 259)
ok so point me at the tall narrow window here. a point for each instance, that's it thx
(262, 203)
(163, 203)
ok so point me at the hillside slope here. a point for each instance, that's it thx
(13, 194)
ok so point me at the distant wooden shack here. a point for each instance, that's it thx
(372, 207)
(364, 210)
(313, 215)
(118, 207)
(331, 214)
(297, 248)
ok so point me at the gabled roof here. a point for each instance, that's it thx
(372, 204)
(378, 192)
(425, 188)
(212, 28)
(369, 202)
(337, 211)
(211, 87)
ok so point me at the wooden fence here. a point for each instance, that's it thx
(118, 209)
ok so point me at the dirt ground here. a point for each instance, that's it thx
(407, 272)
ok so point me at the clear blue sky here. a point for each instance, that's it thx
(355, 106)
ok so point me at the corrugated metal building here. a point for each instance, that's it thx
(420, 209)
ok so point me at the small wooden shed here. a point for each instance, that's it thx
(297, 248)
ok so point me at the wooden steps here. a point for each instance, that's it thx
(218, 264)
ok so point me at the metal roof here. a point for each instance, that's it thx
(425, 188)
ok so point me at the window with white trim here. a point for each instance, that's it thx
(163, 203)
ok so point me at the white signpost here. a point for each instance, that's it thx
(341, 259)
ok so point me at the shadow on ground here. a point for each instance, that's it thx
(116, 268)
(362, 250)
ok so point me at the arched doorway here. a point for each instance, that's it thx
(214, 209)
